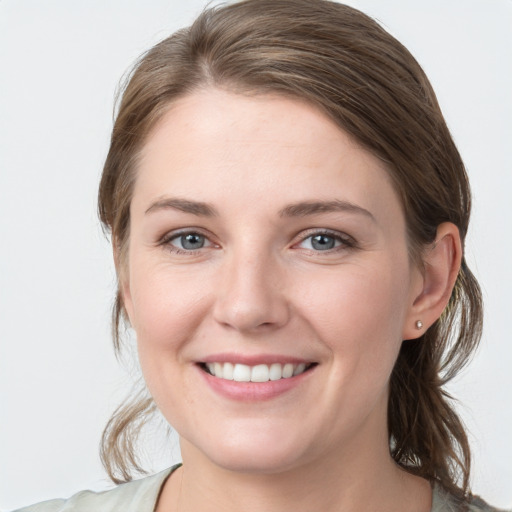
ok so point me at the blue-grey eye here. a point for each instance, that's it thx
(322, 242)
(191, 241)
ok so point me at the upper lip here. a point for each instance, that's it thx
(253, 360)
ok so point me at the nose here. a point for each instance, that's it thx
(252, 294)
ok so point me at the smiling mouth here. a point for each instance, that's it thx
(257, 373)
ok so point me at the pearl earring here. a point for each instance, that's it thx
(419, 324)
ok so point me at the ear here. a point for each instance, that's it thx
(441, 266)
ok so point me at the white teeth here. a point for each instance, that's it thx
(227, 371)
(260, 373)
(287, 370)
(241, 373)
(257, 373)
(276, 371)
(299, 369)
(218, 370)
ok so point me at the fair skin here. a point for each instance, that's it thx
(262, 235)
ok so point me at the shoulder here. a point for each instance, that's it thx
(445, 502)
(135, 496)
(477, 504)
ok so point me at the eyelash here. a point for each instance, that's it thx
(346, 242)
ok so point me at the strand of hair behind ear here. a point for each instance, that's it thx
(428, 437)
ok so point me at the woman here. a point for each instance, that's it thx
(288, 214)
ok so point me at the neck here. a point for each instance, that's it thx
(365, 480)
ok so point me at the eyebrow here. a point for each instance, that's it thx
(300, 209)
(184, 205)
(305, 208)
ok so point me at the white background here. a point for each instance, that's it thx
(60, 62)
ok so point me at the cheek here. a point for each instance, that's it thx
(359, 315)
(168, 308)
(359, 318)
(166, 305)
(358, 298)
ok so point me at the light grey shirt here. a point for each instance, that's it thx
(142, 495)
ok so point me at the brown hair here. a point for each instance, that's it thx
(345, 64)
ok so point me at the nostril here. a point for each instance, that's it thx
(250, 316)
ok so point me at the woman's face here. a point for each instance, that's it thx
(265, 242)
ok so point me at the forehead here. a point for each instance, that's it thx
(258, 149)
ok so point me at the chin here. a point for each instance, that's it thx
(258, 461)
(258, 454)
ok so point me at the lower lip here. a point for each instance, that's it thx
(253, 391)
